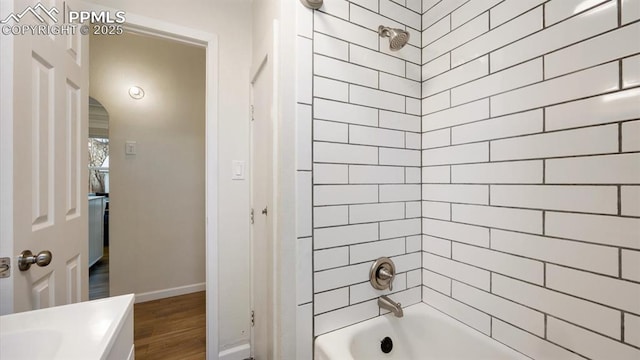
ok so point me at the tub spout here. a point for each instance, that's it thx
(386, 303)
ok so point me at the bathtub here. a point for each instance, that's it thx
(423, 333)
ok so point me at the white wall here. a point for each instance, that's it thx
(531, 167)
(231, 20)
(157, 237)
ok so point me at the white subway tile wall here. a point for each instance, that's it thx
(531, 166)
(367, 145)
(495, 159)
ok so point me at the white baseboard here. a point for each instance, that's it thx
(239, 352)
(165, 293)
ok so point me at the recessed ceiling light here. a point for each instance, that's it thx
(136, 92)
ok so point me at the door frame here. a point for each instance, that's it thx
(6, 162)
(265, 56)
(142, 25)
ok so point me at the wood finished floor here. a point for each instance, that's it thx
(99, 277)
(171, 329)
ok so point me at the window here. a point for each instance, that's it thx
(98, 165)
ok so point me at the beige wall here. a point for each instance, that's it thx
(231, 20)
(157, 237)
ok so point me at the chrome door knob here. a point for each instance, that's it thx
(26, 259)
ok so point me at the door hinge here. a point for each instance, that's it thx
(253, 111)
(253, 318)
(252, 216)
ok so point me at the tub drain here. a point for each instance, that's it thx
(386, 345)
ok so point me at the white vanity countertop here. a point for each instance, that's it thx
(85, 330)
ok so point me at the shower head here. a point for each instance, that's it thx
(398, 38)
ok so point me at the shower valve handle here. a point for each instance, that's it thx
(385, 274)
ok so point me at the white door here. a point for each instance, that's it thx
(50, 114)
(262, 291)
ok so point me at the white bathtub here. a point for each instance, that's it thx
(423, 333)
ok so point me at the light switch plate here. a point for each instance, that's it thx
(131, 148)
(237, 170)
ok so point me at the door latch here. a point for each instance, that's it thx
(265, 211)
(5, 267)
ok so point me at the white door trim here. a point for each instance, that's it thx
(140, 24)
(6, 161)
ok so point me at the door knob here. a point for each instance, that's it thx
(26, 259)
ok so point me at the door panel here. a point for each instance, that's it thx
(73, 151)
(50, 124)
